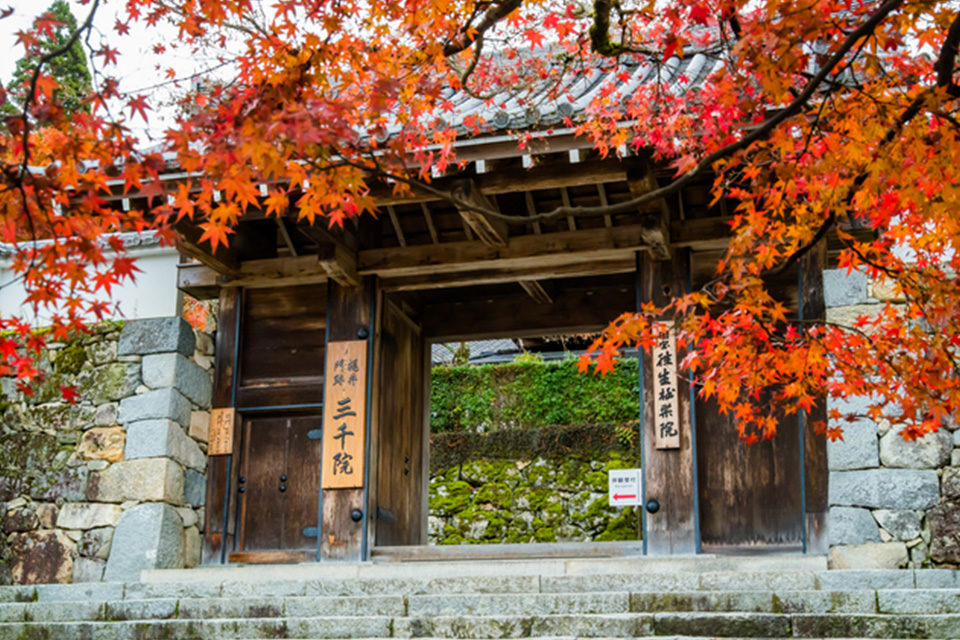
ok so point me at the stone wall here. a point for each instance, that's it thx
(541, 500)
(114, 484)
(892, 503)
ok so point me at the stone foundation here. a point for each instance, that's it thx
(892, 503)
(115, 483)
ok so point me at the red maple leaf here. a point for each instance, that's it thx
(69, 393)
(139, 105)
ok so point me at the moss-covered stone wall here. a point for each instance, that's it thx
(540, 500)
(131, 445)
(520, 452)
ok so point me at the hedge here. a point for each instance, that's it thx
(531, 395)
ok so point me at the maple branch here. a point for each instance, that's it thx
(32, 91)
(947, 59)
(467, 35)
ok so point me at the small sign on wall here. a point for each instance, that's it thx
(221, 432)
(344, 415)
(666, 414)
(623, 487)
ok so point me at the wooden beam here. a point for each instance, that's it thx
(602, 192)
(656, 220)
(529, 251)
(498, 276)
(668, 474)
(198, 280)
(340, 265)
(396, 225)
(565, 198)
(430, 226)
(536, 291)
(490, 231)
(223, 260)
(546, 176)
(519, 316)
(287, 240)
(531, 210)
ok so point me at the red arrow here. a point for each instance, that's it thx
(617, 496)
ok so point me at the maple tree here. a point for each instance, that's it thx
(825, 115)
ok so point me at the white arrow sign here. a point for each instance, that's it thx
(624, 487)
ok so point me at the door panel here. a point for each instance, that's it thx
(281, 481)
(749, 494)
(303, 483)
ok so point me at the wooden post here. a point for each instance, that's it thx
(668, 473)
(341, 530)
(815, 470)
(220, 468)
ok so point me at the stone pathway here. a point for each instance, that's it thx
(624, 598)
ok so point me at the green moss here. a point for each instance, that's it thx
(495, 493)
(70, 359)
(622, 527)
(447, 498)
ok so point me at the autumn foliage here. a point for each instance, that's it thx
(826, 119)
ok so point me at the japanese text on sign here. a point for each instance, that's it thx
(344, 414)
(623, 487)
(665, 407)
(220, 440)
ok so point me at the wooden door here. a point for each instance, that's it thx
(279, 483)
(749, 494)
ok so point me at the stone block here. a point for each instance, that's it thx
(955, 458)
(848, 316)
(68, 484)
(109, 382)
(20, 519)
(173, 370)
(106, 415)
(929, 452)
(167, 404)
(195, 488)
(885, 488)
(944, 522)
(885, 290)
(842, 289)
(849, 525)
(200, 426)
(874, 555)
(191, 547)
(41, 556)
(95, 543)
(950, 483)
(205, 343)
(88, 570)
(156, 335)
(857, 450)
(47, 515)
(88, 515)
(902, 525)
(102, 443)
(163, 439)
(188, 515)
(148, 536)
(147, 479)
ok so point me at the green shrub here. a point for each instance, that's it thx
(529, 395)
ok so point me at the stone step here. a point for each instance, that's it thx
(681, 581)
(624, 625)
(920, 601)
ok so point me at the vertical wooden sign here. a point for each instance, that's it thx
(220, 440)
(665, 407)
(344, 414)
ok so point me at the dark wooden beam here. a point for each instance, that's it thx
(491, 231)
(519, 316)
(656, 219)
(548, 176)
(530, 251)
(536, 291)
(497, 275)
(223, 260)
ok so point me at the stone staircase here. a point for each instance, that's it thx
(772, 597)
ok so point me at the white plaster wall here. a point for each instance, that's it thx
(152, 294)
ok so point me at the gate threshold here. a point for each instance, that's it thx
(508, 551)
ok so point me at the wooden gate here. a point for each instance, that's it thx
(278, 484)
